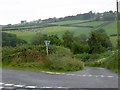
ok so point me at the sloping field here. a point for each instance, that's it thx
(25, 35)
(95, 23)
(114, 40)
(60, 30)
(110, 28)
(69, 22)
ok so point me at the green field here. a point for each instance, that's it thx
(69, 22)
(60, 30)
(67, 60)
(111, 28)
(95, 23)
(114, 41)
(25, 35)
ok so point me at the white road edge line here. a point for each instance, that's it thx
(53, 87)
(19, 85)
(46, 87)
(1, 83)
(89, 75)
(52, 72)
(77, 75)
(1, 87)
(30, 86)
(8, 84)
(110, 76)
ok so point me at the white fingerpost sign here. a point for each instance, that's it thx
(47, 43)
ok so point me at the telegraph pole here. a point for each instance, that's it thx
(117, 23)
(117, 18)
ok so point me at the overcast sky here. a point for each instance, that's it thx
(13, 11)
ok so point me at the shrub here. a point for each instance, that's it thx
(112, 62)
(11, 40)
(99, 41)
(83, 57)
(23, 53)
(108, 60)
(79, 47)
(65, 64)
(26, 56)
(39, 38)
(60, 51)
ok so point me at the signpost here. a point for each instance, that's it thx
(47, 43)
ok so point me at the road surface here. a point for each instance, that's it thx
(90, 77)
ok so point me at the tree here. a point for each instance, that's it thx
(55, 40)
(108, 16)
(39, 39)
(11, 40)
(98, 41)
(83, 38)
(79, 47)
(68, 39)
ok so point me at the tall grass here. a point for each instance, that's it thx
(107, 60)
(34, 58)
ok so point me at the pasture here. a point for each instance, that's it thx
(60, 30)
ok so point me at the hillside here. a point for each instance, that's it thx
(81, 42)
(76, 26)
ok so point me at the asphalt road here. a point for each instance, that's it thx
(90, 77)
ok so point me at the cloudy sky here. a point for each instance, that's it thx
(13, 11)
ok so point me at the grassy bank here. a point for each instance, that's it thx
(107, 60)
(30, 57)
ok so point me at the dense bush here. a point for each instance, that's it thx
(62, 59)
(65, 63)
(55, 40)
(86, 57)
(68, 39)
(39, 38)
(98, 41)
(112, 62)
(107, 60)
(11, 40)
(60, 51)
(34, 57)
(83, 57)
(79, 47)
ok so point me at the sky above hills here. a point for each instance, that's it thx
(13, 11)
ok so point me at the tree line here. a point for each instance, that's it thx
(105, 16)
(97, 41)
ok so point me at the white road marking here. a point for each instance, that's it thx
(79, 75)
(70, 74)
(96, 75)
(102, 76)
(1, 83)
(1, 87)
(19, 85)
(46, 87)
(31, 87)
(58, 73)
(52, 72)
(84, 75)
(61, 87)
(109, 76)
(25, 86)
(53, 87)
(89, 75)
(8, 85)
